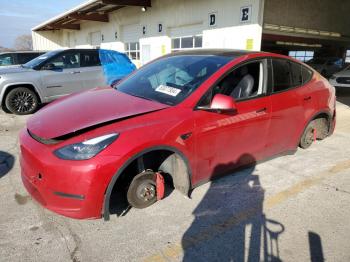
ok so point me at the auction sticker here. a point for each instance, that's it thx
(171, 91)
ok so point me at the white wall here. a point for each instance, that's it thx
(179, 18)
(47, 40)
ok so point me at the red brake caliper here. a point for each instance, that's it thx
(160, 186)
(315, 134)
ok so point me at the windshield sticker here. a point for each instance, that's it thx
(171, 91)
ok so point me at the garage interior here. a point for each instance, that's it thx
(307, 29)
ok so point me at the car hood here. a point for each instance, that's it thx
(14, 69)
(344, 73)
(85, 110)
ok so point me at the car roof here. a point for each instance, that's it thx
(20, 52)
(78, 49)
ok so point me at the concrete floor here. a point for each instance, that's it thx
(292, 208)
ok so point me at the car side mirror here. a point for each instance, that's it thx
(221, 104)
(48, 67)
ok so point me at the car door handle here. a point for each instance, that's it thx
(307, 98)
(261, 110)
(75, 72)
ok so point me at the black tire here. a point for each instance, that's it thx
(308, 136)
(142, 190)
(4, 108)
(22, 101)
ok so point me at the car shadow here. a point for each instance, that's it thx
(230, 224)
(6, 163)
(343, 95)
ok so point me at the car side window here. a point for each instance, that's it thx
(297, 78)
(66, 60)
(26, 57)
(6, 60)
(306, 74)
(282, 75)
(244, 82)
(89, 58)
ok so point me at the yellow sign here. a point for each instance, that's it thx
(250, 44)
(163, 49)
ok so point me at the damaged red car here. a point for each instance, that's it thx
(184, 119)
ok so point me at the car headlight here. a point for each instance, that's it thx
(87, 149)
(333, 77)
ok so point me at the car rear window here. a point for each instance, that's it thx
(297, 78)
(306, 73)
(288, 74)
(282, 75)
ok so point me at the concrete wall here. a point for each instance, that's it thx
(327, 15)
(179, 18)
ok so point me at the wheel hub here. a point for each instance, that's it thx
(146, 191)
(23, 101)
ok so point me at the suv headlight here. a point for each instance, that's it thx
(87, 149)
(333, 77)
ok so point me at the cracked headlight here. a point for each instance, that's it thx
(87, 149)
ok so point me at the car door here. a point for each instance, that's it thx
(91, 70)
(226, 141)
(289, 100)
(61, 75)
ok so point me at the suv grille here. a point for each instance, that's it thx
(343, 80)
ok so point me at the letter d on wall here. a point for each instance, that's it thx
(213, 19)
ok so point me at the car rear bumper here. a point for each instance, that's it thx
(71, 188)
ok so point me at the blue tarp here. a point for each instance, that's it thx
(115, 65)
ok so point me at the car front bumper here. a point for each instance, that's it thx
(71, 188)
(334, 83)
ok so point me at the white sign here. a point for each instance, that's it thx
(171, 91)
(246, 14)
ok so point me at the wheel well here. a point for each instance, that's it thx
(9, 88)
(323, 116)
(173, 165)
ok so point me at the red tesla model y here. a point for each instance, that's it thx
(186, 117)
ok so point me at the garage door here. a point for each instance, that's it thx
(185, 31)
(96, 39)
(131, 33)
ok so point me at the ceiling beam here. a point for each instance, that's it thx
(93, 8)
(146, 3)
(91, 17)
(114, 8)
(65, 26)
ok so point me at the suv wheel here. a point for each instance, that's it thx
(21, 101)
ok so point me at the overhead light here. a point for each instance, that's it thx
(144, 9)
(306, 31)
(298, 44)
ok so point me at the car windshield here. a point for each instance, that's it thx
(170, 80)
(40, 59)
